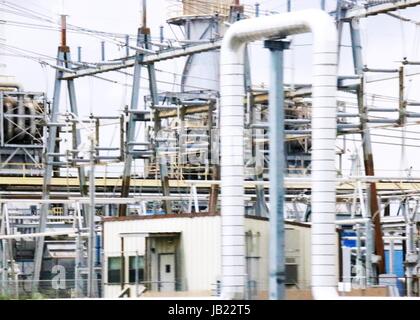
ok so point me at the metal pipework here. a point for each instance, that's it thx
(413, 63)
(127, 45)
(365, 69)
(21, 116)
(413, 104)
(161, 34)
(324, 265)
(277, 170)
(32, 107)
(382, 110)
(9, 104)
(103, 52)
(20, 120)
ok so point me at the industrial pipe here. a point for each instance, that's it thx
(13, 85)
(20, 127)
(32, 107)
(9, 105)
(324, 251)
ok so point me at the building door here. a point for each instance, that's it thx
(167, 272)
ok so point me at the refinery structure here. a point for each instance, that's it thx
(215, 186)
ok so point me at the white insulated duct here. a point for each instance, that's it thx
(324, 266)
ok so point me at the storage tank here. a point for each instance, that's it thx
(201, 21)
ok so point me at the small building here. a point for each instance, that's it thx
(180, 255)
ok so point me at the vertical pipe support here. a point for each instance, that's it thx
(402, 103)
(79, 54)
(161, 34)
(4, 266)
(277, 169)
(103, 51)
(391, 256)
(127, 45)
(78, 264)
(369, 250)
(92, 293)
(122, 270)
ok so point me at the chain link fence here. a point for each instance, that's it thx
(47, 289)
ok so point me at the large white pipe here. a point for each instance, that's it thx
(8, 104)
(324, 266)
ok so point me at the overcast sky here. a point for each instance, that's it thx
(386, 41)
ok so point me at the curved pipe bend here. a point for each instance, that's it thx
(322, 26)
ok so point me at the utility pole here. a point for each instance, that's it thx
(375, 212)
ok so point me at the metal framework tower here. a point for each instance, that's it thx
(63, 60)
(143, 41)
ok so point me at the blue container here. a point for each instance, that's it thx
(155, 212)
(98, 247)
(398, 268)
(398, 262)
(346, 242)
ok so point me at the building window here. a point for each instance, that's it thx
(114, 270)
(136, 265)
